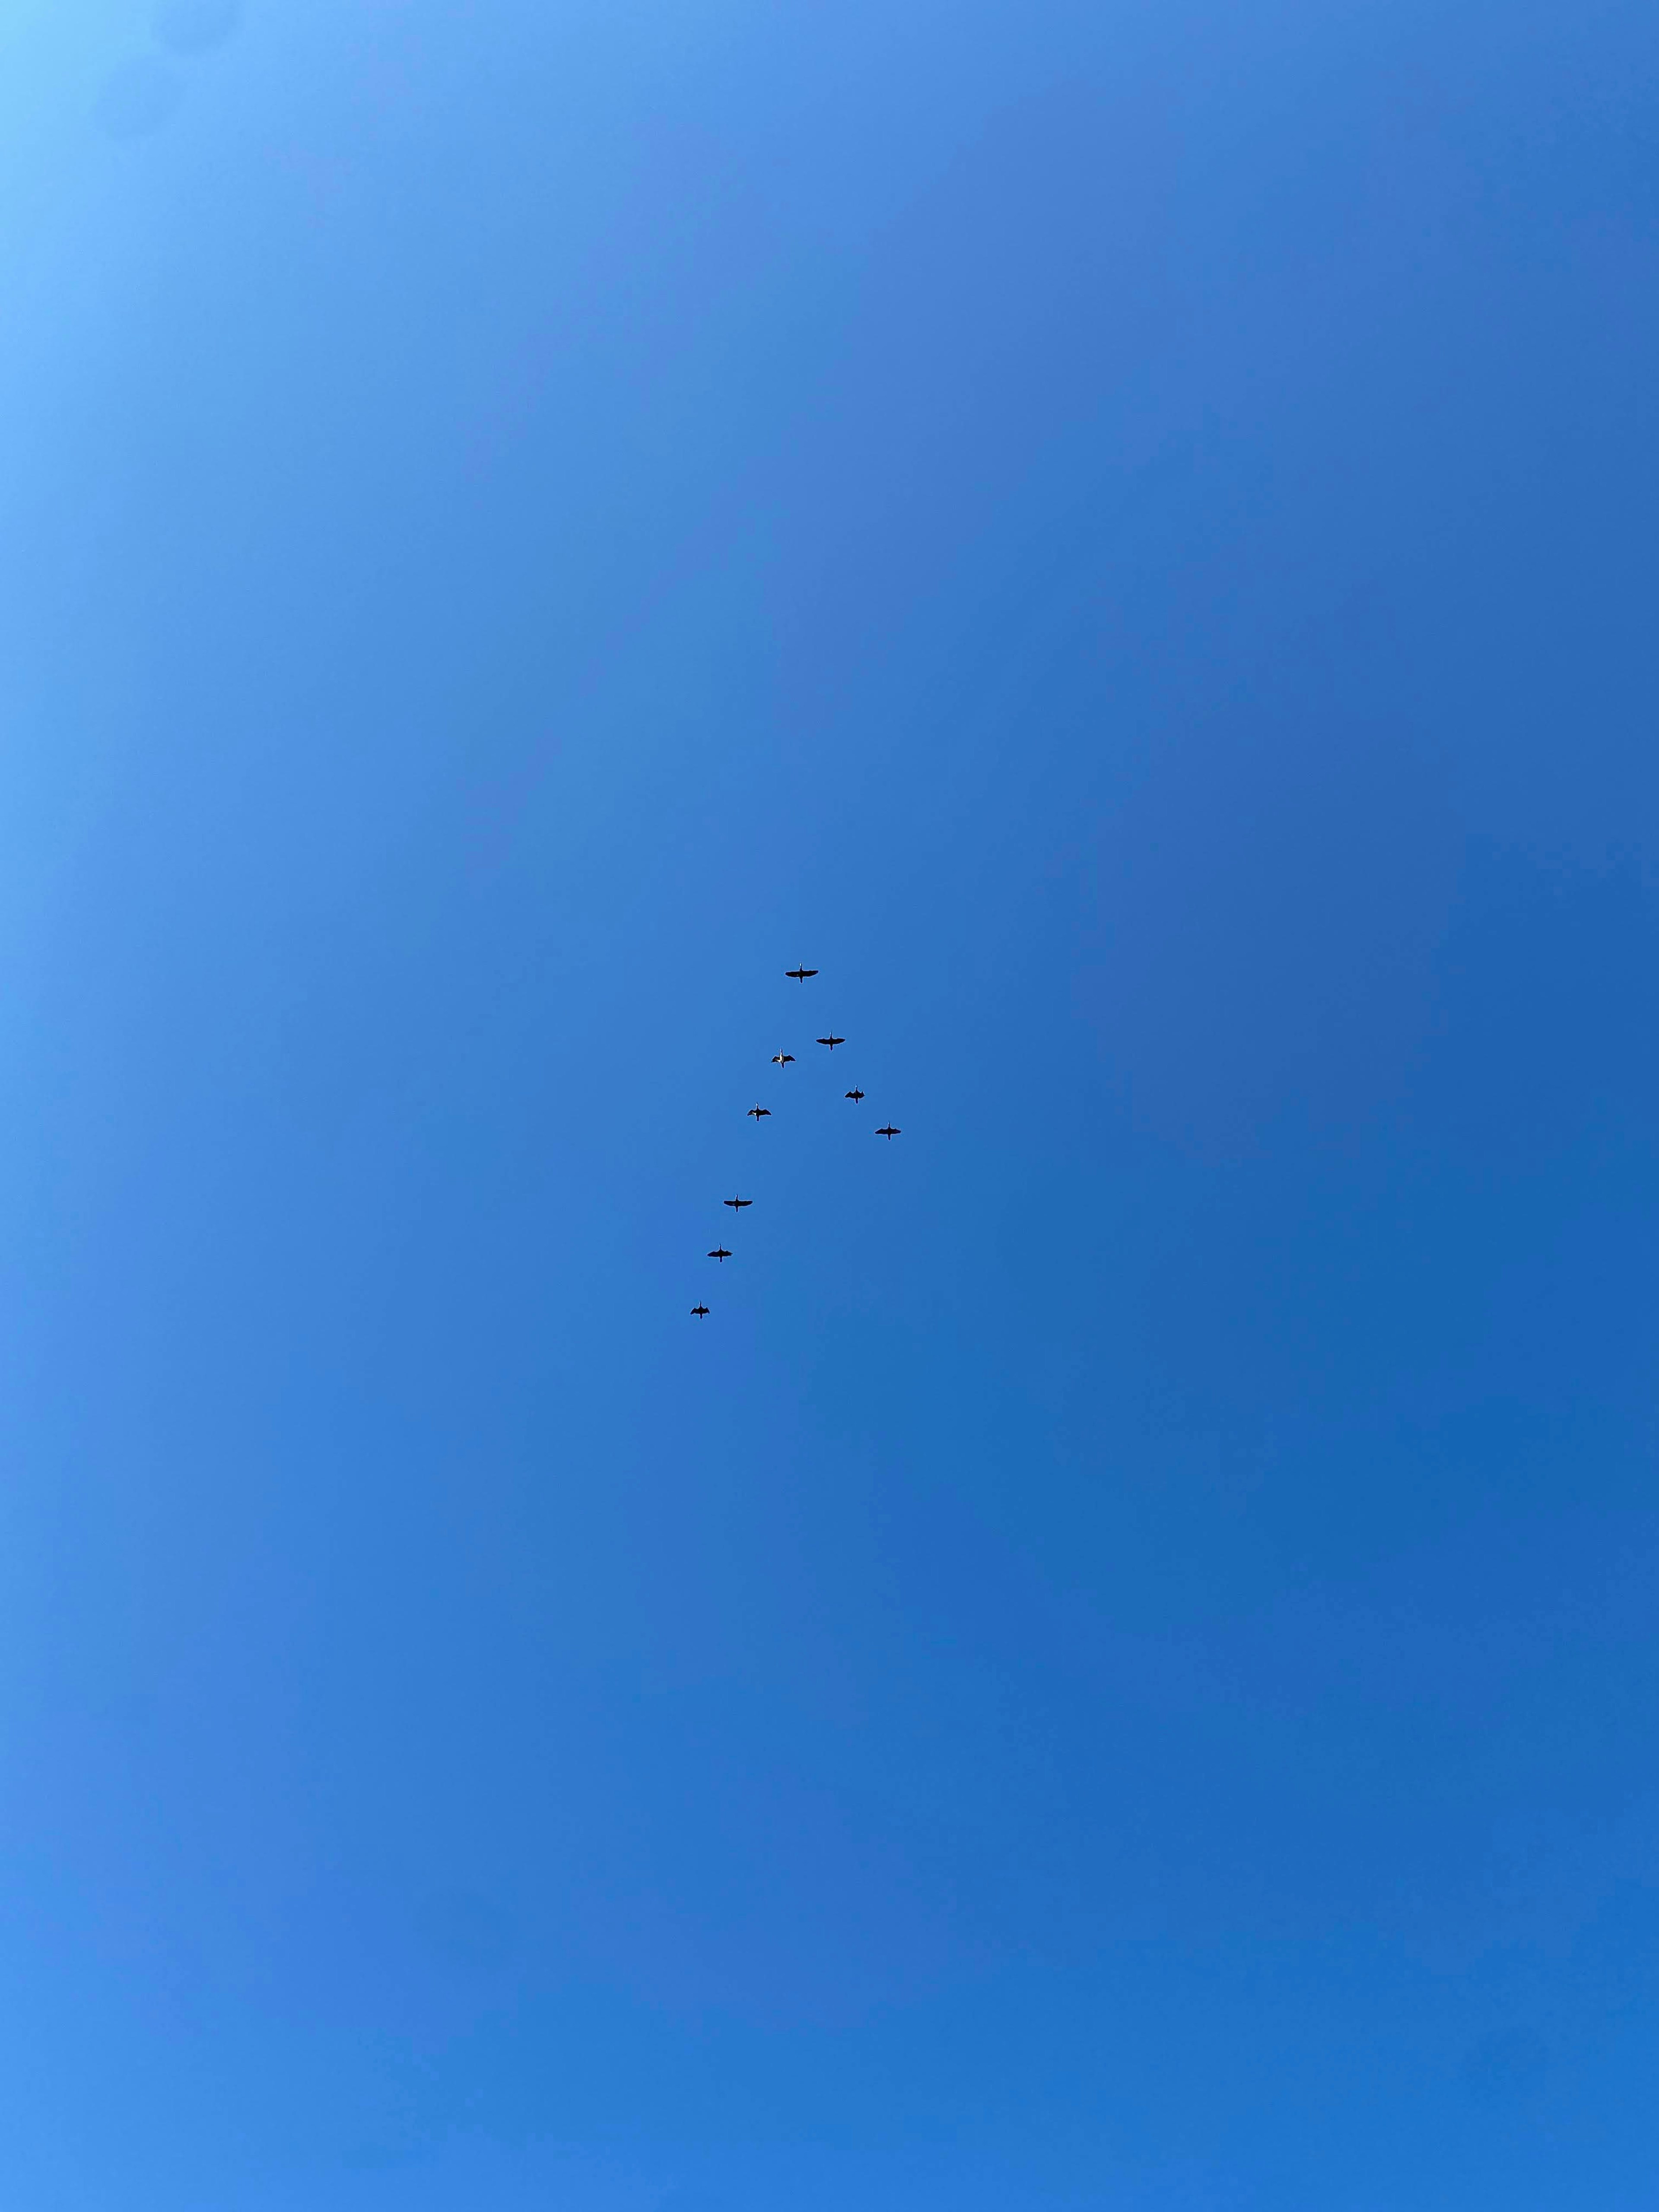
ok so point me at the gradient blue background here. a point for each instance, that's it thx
(1117, 1672)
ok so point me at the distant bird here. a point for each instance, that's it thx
(800, 974)
(700, 1311)
(781, 1059)
(758, 1113)
(832, 1042)
(889, 1131)
(855, 1096)
(719, 1252)
(736, 1202)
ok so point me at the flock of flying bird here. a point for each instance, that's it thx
(757, 1114)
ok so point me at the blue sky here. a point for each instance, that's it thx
(1116, 1672)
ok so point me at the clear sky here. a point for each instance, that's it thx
(1116, 1672)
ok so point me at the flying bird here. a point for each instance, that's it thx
(832, 1042)
(781, 1059)
(758, 1113)
(719, 1252)
(855, 1096)
(800, 974)
(735, 1202)
(889, 1131)
(700, 1311)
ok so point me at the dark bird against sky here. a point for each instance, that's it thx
(855, 1096)
(832, 1042)
(719, 1252)
(700, 1311)
(889, 1131)
(800, 975)
(781, 1059)
(758, 1113)
(735, 1202)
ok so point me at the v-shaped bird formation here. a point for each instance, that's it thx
(757, 1114)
